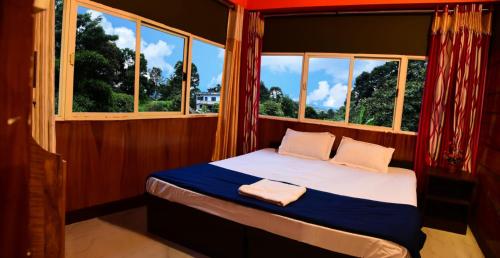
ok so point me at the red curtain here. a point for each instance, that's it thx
(253, 30)
(453, 95)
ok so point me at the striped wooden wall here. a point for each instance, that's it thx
(110, 160)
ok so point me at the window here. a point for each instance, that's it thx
(104, 63)
(161, 71)
(58, 34)
(117, 65)
(280, 86)
(351, 90)
(415, 79)
(327, 84)
(373, 93)
(206, 76)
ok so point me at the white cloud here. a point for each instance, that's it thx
(280, 64)
(215, 80)
(365, 65)
(94, 14)
(155, 54)
(328, 96)
(126, 37)
(338, 69)
(319, 93)
(220, 54)
(336, 97)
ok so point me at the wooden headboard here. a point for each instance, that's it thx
(271, 131)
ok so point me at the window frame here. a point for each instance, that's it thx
(68, 45)
(188, 88)
(400, 89)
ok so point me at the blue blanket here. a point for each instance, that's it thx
(399, 223)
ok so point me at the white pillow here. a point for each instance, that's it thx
(307, 145)
(364, 155)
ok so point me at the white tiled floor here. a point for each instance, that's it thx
(124, 235)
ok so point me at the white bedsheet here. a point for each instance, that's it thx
(396, 186)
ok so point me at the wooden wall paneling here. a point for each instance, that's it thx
(271, 132)
(486, 221)
(110, 160)
(47, 202)
(16, 43)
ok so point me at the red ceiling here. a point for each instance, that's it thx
(307, 4)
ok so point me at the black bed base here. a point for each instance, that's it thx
(218, 237)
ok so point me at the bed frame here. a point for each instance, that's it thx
(218, 237)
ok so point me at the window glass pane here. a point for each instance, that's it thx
(280, 85)
(415, 79)
(104, 63)
(161, 73)
(327, 88)
(206, 77)
(373, 92)
(58, 33)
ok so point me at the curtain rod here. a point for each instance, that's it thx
(351, 12)
(226, 3)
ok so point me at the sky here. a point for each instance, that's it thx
(327, 78)
(327, 82)
(209, 60)
(284, 72)
(164, 50)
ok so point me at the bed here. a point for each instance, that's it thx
(223, 228)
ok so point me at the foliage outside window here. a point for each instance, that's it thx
(104, 70)
(58, 35)
(415, 79)
(358, 91)
(160, 83)
(373, 93)
(103, 77)
(280, 86)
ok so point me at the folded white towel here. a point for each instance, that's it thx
(274, 192)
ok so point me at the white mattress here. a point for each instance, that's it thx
(396, 186)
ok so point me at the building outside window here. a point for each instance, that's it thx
(207, 102)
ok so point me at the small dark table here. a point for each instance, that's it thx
(449, 196)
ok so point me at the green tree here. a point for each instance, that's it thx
(104, 73)
(276, 93)
(374, 95)
(58, 33)
(413, 94)
(264, 92)
(274, 102)
(216, 88)
(271, 108)
(126, 80)
(340, 113)
(290, 108)
(156, 81)
(311, 113)
(194, 89)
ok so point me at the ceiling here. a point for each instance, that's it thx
(308, 4)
